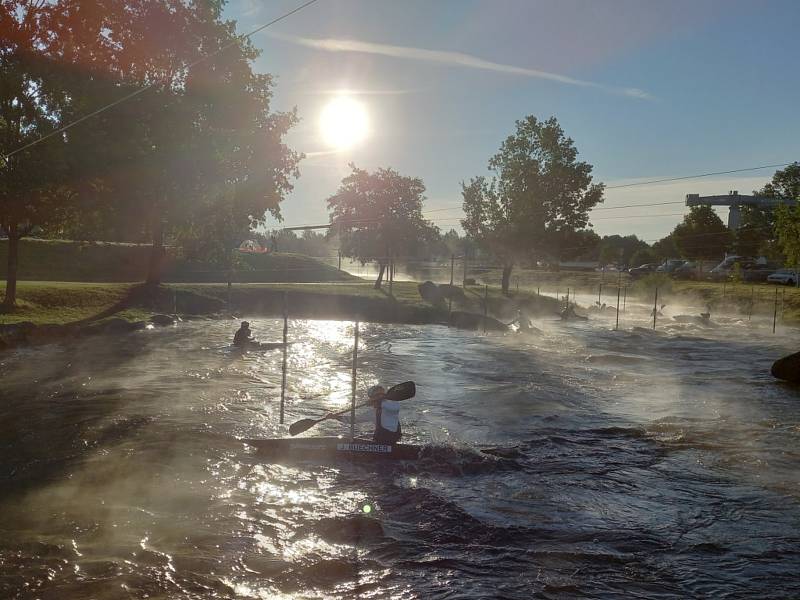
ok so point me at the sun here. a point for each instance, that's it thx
(343, 122)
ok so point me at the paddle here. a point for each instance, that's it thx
(401, 391)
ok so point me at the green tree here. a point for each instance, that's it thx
(198, 155)
(787, 228)
(33, 180)
(786, 223)
(755, 235)
(702, 235)
(643, 256)
(378, 216)
(539, 195)
(577, 245)
(665, 248)
(618, 248)
(786, 184)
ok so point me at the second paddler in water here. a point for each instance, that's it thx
(387, 416)
(243, 335)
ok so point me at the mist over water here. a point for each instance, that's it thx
(641, 464)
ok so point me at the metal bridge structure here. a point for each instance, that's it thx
(736, 201)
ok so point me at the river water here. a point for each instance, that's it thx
(644, 464)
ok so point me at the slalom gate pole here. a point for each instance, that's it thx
(775, 311)
(655, 309)
(285, 350)
(353, 386)
(485, 306)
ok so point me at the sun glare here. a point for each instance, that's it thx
(343, 122)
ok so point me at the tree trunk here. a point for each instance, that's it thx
(506, 278)
(379, 280)
(156, 254)
(10, 301)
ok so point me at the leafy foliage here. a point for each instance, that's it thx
(702, 234)
(786, 184)
(378, 216)
(539, 196)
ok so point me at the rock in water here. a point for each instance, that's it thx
(162, 320)
(787, 368)
(465, 320)
(451, 291)
(430, 292)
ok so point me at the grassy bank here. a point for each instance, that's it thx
(60, 302)
(60, 260)
(743, 298)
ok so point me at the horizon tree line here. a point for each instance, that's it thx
(196, 157)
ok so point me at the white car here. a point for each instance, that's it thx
(783, 276)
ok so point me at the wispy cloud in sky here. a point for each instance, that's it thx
(453, 59)
(358, 92)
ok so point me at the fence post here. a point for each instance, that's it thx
(450, 294)
(485, 306)
(353, 387)
(655, 309)
(285, 350)
(391, 276)
(783, 302)
(775, 311)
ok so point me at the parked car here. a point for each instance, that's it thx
(725, 269)
(758, 272)
(668, 266)
(643, 270)
(783, 277)
(688, 270)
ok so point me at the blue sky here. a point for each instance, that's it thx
(646, 89)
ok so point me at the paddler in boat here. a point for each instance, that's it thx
(387, 416)
(243, 336)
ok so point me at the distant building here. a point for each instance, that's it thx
(736, 201)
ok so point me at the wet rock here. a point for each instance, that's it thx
(451, 292)
(465, 320)
(470, 281)
(162, 320)
(15, 333)
(787, 368)
(430, 292)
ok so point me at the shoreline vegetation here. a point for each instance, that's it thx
(49, 310)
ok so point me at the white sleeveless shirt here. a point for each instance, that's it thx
(390, 415)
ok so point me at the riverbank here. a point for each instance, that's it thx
(49, 310)
(742, 299)
(103, 262)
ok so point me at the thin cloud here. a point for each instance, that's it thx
(454, 59)
(358, 92)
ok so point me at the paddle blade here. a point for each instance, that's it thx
(301, 426)
(402, 391)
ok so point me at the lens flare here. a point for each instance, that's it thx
(343, 123)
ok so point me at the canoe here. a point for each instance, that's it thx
(253, 346)
(332, 448)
